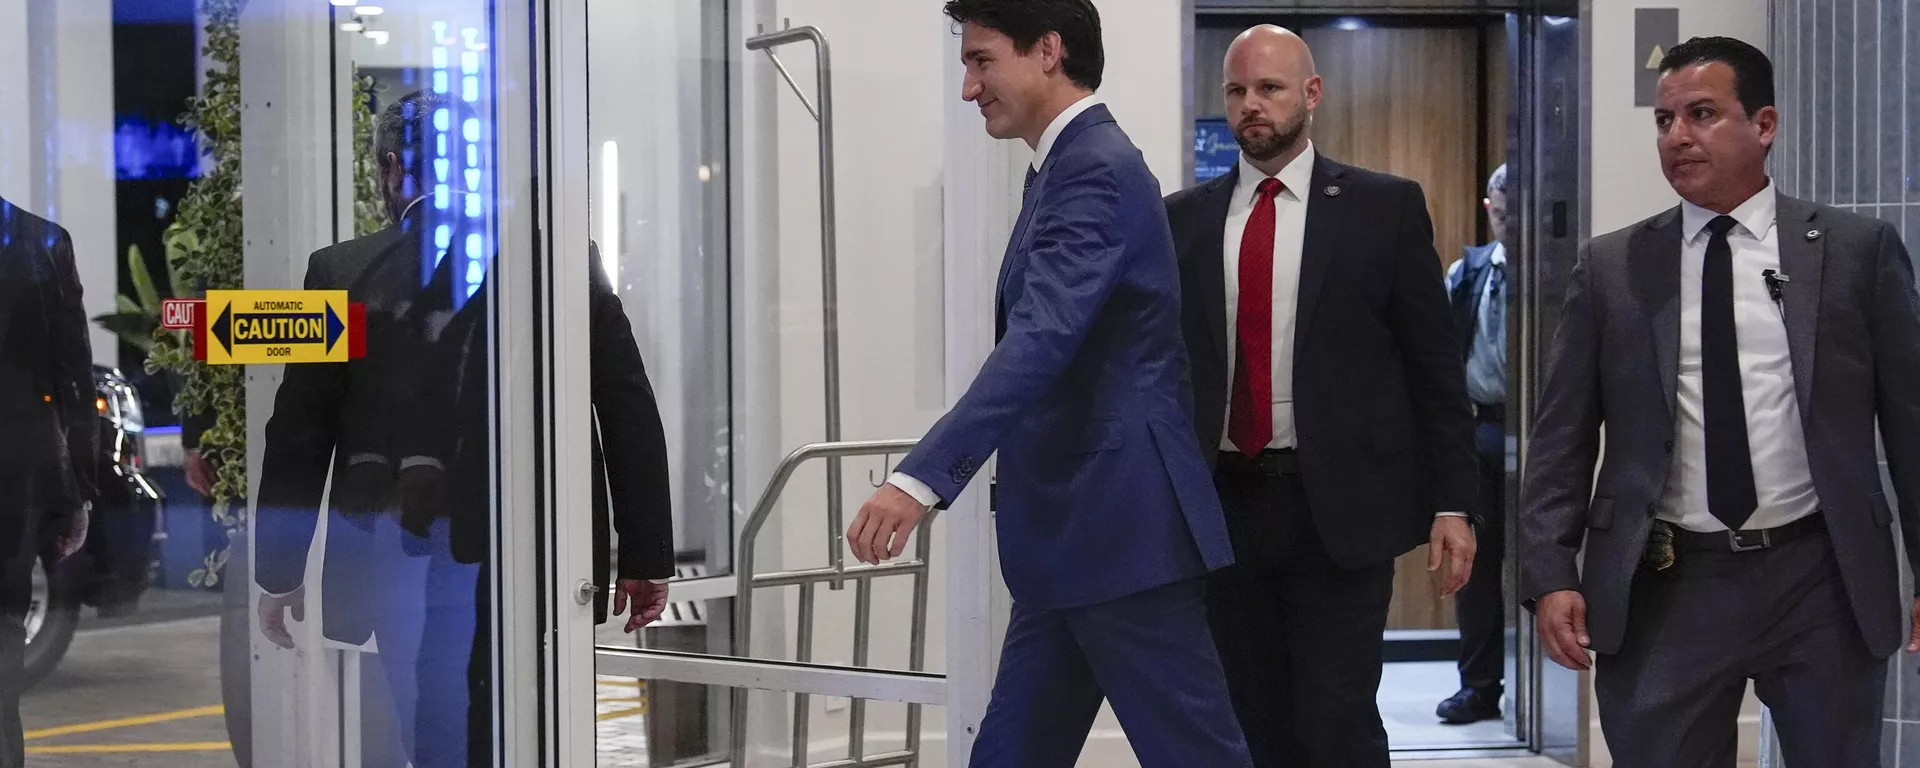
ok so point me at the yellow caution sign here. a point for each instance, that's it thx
(265, 327)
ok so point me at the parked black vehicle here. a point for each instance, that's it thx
(115, 567)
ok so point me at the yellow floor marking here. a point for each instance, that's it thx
(606, 699)
(620, 713)
(127, 722)
(106, 749)
(624, 683)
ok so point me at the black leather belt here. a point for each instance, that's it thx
(1749, 540)
(1269, 463)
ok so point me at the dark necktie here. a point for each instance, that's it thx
(1250, 423)
(1730, 492)
(1027, 187)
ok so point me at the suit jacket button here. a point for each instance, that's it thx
(962, 469)
(1668, 446)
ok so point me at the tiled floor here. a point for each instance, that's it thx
(1409, 691)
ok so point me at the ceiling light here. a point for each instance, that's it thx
(369, 10)
(351, 26)
(378, 36)
(346, 3)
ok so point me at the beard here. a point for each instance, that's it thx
(1279, 137)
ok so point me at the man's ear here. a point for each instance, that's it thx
(1052, 50)
(1768, 121)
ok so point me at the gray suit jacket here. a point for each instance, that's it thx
(1854, 339)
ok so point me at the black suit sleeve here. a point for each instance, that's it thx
(635, 440)
(1423, 326)
(73, 368)
(300, 437)
(192, 426)
(1564, 446)
(1895, 327)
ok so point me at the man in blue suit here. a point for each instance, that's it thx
(1108, 517)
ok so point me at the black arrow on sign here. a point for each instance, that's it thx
(222, 328)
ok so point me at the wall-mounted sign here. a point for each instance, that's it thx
(260, 327)
(1655, 31)
(177, 314)
(1215, 151)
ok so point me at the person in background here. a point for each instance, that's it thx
(1477, 289)
(1732, 357)
(51, 433)
(1331, 400)
(1107, 524)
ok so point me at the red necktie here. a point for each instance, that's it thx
(1250, 415)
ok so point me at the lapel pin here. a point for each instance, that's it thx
(1331, 191)
(1812, 235)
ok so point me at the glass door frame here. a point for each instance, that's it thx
(294, 131)
(981, 199)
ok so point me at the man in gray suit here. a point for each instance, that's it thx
(1737, 351)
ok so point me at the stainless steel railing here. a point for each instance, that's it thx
(749, 579)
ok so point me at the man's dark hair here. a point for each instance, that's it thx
(404, 130)
(1752, 70)
(1026, 21)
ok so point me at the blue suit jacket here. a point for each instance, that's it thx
(1103, 490)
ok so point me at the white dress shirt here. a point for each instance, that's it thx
(1783, 481)
(1289, 239)
(920, 491)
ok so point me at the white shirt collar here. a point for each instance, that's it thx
(1755, 215)
(1060, 124)
(1499, 255)
(1296, 176)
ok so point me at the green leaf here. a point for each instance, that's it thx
(142, 281)
(134, 328)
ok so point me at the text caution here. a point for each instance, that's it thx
(266, 327)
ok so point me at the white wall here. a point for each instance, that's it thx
(1625, 184)
(16, 129)
(56, 134)
(1146, 77)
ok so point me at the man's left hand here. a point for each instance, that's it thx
(75, 536)
(649, 601)
(1452, 545)
(1913, 639)
(886, 520)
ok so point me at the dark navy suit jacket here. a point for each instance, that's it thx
(1103, 491)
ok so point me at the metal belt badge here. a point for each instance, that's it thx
(1660, 554)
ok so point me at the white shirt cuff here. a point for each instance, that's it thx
(918, 490)
(421, 461)
(1450, 514)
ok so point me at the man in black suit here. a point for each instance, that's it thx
(1477, 289)
(1734, 357)
(1330, 389)
(46, 459)
(403, 432)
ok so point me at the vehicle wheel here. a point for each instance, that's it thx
(53, 613)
